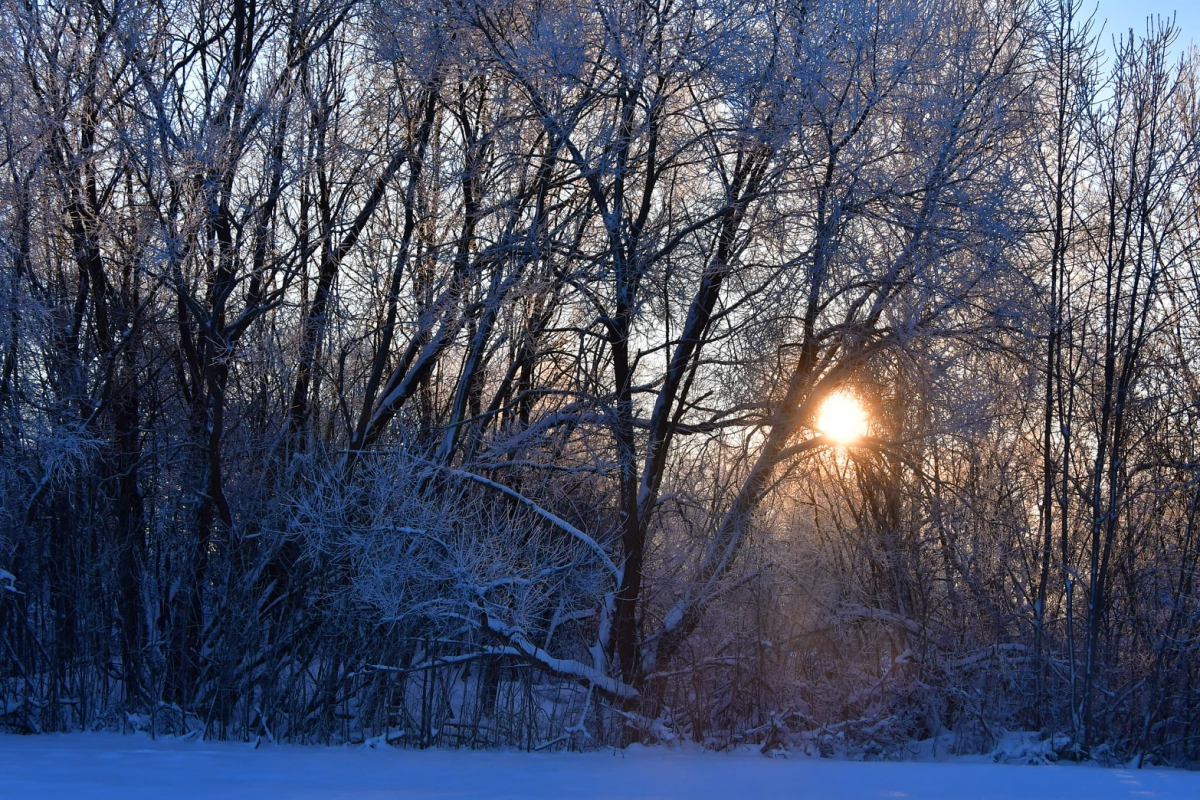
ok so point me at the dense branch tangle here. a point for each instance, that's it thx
(483, 335)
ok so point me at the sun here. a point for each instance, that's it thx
(842, 418)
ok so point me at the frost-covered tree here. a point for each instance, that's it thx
(454, 371)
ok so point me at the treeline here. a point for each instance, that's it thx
(446, 373)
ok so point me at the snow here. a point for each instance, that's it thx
(109, 765)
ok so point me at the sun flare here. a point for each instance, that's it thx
(842, 418)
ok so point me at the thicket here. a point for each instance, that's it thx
(447, 371)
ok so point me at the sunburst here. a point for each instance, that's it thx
(842, 418)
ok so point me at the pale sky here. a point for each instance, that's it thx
(1125, 14)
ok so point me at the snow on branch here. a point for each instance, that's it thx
(545, 514)
(519, 645)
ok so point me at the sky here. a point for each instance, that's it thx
(1125, 14)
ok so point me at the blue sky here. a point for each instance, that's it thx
(1125, 14)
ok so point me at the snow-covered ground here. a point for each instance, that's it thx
(109, 765)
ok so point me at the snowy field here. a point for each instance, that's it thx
(109, 765)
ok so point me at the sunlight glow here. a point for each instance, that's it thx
(842, 418)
